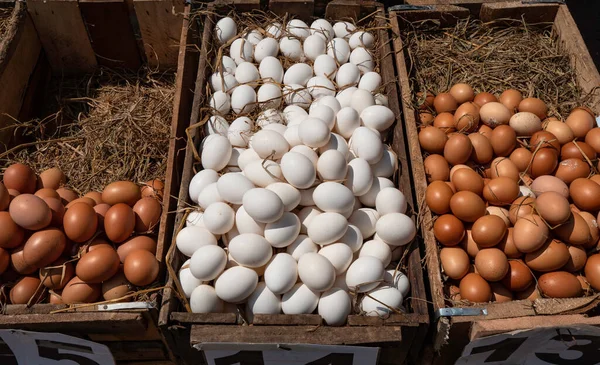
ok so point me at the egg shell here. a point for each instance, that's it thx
(225, 30)
(314, 46)
(274, 30)
(339, 49)
(455, 262)
(574, 231)
(343, 29)
(398, 280)
(553, 207)
(11, 235)
(141, 267)
(98, 265)
(298, 170)
(263, 205)
(250, 250)
(283, 231)
(549, 183)
(366, 269)
(396, 229)
(220, 102)
(299, 300)
(236, 284)
(263, 301)
(467, 206)
(21, 178)
(559, 284)
(116, 287)
(378, 249)
(448, 230)
(241, 51)
(530, 233)
(322, 28)
(189, 239)
(366, 220)
(348, 75)
(57, 274)
(576, 260)
(333, 197)
(121, 192)
(243, 100)
(295, 94)
(585, 194)
(301, 245)
(187, 280)
(30, 212)
(334, 306)
(291, 48)
(270, 69)
(232, 187)
(581, 121)
(380, 301)
(134, 243)
(390, 200)
(201, 180)
(340, 256)
(370, 81)
(362, 58)
(328, 228)
(246, 224)
(263, 173)
(119, 222)
(18, 264)
(475, 289)
(52, 178)
(325, 65)
(204, 299)
(592, 271)
(316, 271)
(208, 262)
(147, 214)
(5, 197)
(361, 100)
(281, 273)
(519, 276)
(24, 290)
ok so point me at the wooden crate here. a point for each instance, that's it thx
(452, 333)
(46, 43)
(399, 335)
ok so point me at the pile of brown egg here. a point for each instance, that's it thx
(60, 248)
(515, 194)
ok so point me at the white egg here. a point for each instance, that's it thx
(222, 82)
(225, 30)
(380, 301)
(362, 59)
(334, 306)
(314, 46)
(262, 173)
(344, 97)
(331, 196)
(308, 152)
(348, 74)
(250, 250)
(216, 153)
(208, 262)
(336, 143)
(370, 81)
(340, 256)
(366, 144)
(243, 99)
(232, 187)
(399, 281)
(299, 300)
(253, 36)
(324, 114)
(247, 156)
(339, 49)
(298, 73)
(347, 120)
(306, 197)
(352, 238)
(294, 114)
(246, 224)
(298, 28)
(366, 220)
(291, 135)
(361, 100)
(220, 102)
(219, 218)
(281, 273)
(263, 205)
(377, 249)
(301, 245)
(270, 68)
(316, 272)
(328, 100)
(208, 195)
(204, 299)
(240, 131)
(306, 215)
(325, 66)
(362, 39)
(201, 180)
(377, 117)
(216, 125)
(322, 28)
(396, 229)
(187, 280)
(387, 166)
(381, 99)
(247, 73)
(190, 239)
(295, 94)
(283, 231)
(233, 165)
(274, 30)
(194, 218)
(340, 282)
(390, 200)
(269, 116)
(320, 86)
(277, 128)
(289, 195)
(397, 251)
(332, 166)
(269, 96)
(267, 47)
(328, 228)
(525, 191)
(369, 199)
(227, 237)
(236, 284)
(263, 301)
(314, 132)
(298, 170)
(364, 274)
(291, 48)
(241, 51)
(228, 65)
(343, 29)
(269, 144)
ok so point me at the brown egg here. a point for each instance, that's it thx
(47, 193)
(444, 102)
(462, 93)
(57, 274)
(57, 209)
(456, 168)
(11, 235)
(426, 118)
(98, 265)
(592, 271)
(18, 264)
(466, 117)
(4, 260)
(491, 264)
(78, 291)
(141, 267)
(101, 210)
(574, 231)
(504, 167)
(563, 132)
(153, 189)
(483, 98)
(585, 194)
(595, 178)
(559, 284)
(499, 212)
(96, 196)
(94, 245)
(448, 230)
(531, 293)
(87, 200)
(44, 247)
(544, 162)
(511, 99)
(507, 245)
(52, 178)
(475, 289)
(549, 183)
(553, 207)
(21, 178)
(25, 289)
(453, 292)
(80, 222)
(121, 192)
(55, 298)
(432, 140)
(535, 106)
(587, 289)
(437, 197)
(119, 222)
(521, 207)
(469, 245)
(592, 138)
(521, 157)
(553, 255)
(458, 149)
(501, 191)
(500, 294)
(147, 214)
(504, 140)
(485, 131)
(469, 180)
(436, 168)
(13, 193)
(575, 149)
(467, 206)
(544, 139)
(494, 114)
(581, 121)
(445, 122)
(4, 197)
(519, 276)
(482, 149)
(592, 223)
(577, 259)
(30, 212)
(66, 195)
(488, 230)
(455, 262)
(530, 233)
(425, 100)
(117, 287)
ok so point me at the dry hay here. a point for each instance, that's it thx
(5, 21)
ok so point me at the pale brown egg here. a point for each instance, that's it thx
(52, 178)
(30, 212)
(483, 98)
(55, 298)
(153, 189)
(491, 264)
(592, 138)
(559, 284)
(485, 131)
(4, 197)
(587, 289)
(13, 193)
(57, 209)
(519, 276)
(592, 223)
(494, 114)
(511, 99)
(544, 162)
(119, 222)
(469, 245)
(121, 192)
(462, 93)
(468, 180)
(574, 231)
(18, 264)
(504, 140)
(444, 102)
(425, 100)
(80, 222)
(98, 265)
(11, 235)
(67, 195)
(25, 290)
(499, 212)
(482, 149)
(437, 197)
(585, 194)
(432, 140)
(78, 291)
(147, 214)
(445, 122)
(456, 168)
(57, 274)
(457, 149)
(507, 245)
(535, 106)
(101, 210)
(96, 196)
(475, 289)
(501, 191)
(453, 292)
(530, 233)
(500, 294)
(563, 132)
(117, 287)
(21, 178)
(553, 255)
(47, 193)
(425, 118)
(577, 259)
(84, 199)
(553, 207)
(436, 168)
(581, 121)
(504, 167)
(521, 207)
(543, 139)
(549, 183)
(44, 247)
(4, 260)
(592, 271)
(521, 157)
(488, 231)
(448, 230)
(141, 267)
(466, 117)
(467, 206)
(455, 262)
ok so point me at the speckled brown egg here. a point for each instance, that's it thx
(475, 289)
(581, 121)
(482, 149)
(448, 230)
(119, 222)
(521, 157)
(436, 168)
(57, 274)
(21, 178)
(425, 100)
(466, 117)
(139, 242)
(468, 180)
(455, 262)
(444, 102)
(592, 138)
(457, 149)
(501, 191)
(500, 294)
(530, 233)
(78, 291)
(66, 195)
(11, 235)
(494, 114)
(147, 214)
(553, 207)
(52, 178)
(25, 289)
(535, 106)
(553, 255)
(559, 284)
(80, 222)
(47, 193)
(18, 264)
(141, 267)
(4, 260)
(30, 212)
(574, 231)
(488, 230)
(519, 276)
(44, 247)
(58, 211)
(483, 98)
(121, 192)
(153, 189)
(491, 264)
(98, 265)
(437, 197)
(507, 245)
(96, 196)
(444, 122)
(504, 140)
(511, 99)
(592, 271)
(425, 118)
(432, 140)
(467, 206)
(585, 194)
(577, 259)
(117, 287)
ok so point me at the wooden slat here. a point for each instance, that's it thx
(160, 24)
(445, 15)
(63, 35)
(204, 318)
(106, 322)
(530, 13)
(286, 319)
(302, 9)
(408, 320)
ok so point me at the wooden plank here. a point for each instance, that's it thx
(160, 24)
(409, 320)
(241, 6)
(286, 319)
(302, 9)
(445, 15)
(204, 318)
(323, 335)
(530, 13)
(63, 35)
(106, 322)
(137, 351)
(111, 33)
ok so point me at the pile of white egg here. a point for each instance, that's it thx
(296, 209)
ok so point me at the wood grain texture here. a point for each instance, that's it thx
(63, 35)
(302, 9)
(137, 351)
(286, 319)
(106, 322)
(204, 318)
(530, 13)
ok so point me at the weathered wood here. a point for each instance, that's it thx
(137, 351)
(63, 35)
(445, 15)
(302, 9)
(105, 322)
(285, 319)
(530, 13)
(204, 318)
(409, 320)
(241, 6)
(160, 24)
